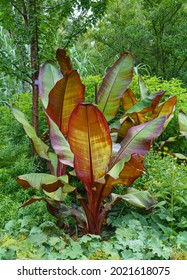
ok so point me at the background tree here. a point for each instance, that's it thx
(152, 30)
(34, 29)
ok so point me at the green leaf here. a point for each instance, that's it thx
(41, 180)
(147, 104)
(40, 147)
(60, 144)
(144, 91)
(54, 163)
(114, 85)
(37, 236)
(48, 76)
(57, 195)
(183, 123)
(137, 198)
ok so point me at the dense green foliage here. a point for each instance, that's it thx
(152, 30)
(165, 226)
(26, 234)
(53, 23)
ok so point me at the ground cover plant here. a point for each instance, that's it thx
(89, 144)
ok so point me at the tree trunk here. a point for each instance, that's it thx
(34, 53)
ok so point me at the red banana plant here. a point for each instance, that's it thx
(82, 139)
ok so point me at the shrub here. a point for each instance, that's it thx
(81, 138)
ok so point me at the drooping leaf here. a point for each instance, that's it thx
(182, 118)
(60, 144)
(63, 98)
(138, 140)
(64, 61)
(60, 194)
(137, 198)
(38, 181)
(40, 147)
(48, 76)
(114, 85)
(180, 156)
(32, 200)
(89, 139)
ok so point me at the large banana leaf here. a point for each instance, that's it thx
(137, 198)
(64, 61)
(60, 144)
(147, 104)
(89, 139)
(134, 197)
(63, 98)
(48, 182)
(48, 76)
(40, 147)
(138, 140)
(114, 85)
(182, 117)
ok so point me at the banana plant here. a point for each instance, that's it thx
(143, 110)
(82, 140)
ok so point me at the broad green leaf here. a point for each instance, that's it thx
(137, 198)
(48, 76)
(180, 156)
(114, 85)
(60, 144)
(138, 140)
(40, 147)
(89, 139)
(64, 61)
(57, 195)
(182, 117)
(38, 181)
(63, 98)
